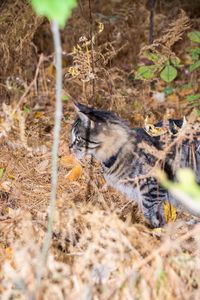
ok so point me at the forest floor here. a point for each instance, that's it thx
(102, 248)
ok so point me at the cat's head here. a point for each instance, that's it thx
(97, 133)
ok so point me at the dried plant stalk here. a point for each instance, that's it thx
(56, 140)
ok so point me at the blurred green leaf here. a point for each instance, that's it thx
(168, 74)
(168, 90)
(176, 61)
(194, 66)
(26, 109)
(65, 98)
(194, 36)
(186, 190)
(152, 56)
(145, 72)
(186, 86)
(193, 97)
(194, 53)
(57, 10)
(188, 183)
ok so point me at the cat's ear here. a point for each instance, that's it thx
(83, 112)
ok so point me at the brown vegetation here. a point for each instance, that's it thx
(101, 249)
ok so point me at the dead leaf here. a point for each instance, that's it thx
(68, 160)
(100, 27)
(9, 253)
(11, 176)
(75, 173)
(186, 91)
(173, 98)
(152, 129)
(51, 71)
(138, 118)
(160, 86)
(169, 212)
(186, 59)
(38, 114)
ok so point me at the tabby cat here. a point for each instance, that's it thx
(128, 156)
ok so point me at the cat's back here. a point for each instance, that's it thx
(136, 157)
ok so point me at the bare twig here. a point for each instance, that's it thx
(33, 82)
(92, 47)
(151, 4)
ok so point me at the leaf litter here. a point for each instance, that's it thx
(101, 246)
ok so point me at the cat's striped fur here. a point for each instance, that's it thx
(129, 155)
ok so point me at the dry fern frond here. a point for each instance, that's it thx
(172, 35)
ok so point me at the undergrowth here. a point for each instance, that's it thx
(102, 248)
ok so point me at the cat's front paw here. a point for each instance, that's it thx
(155, 217)
(157, 221)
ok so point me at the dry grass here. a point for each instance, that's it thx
(18, 25)
(171, 35)
(97, 250)
(102, 248)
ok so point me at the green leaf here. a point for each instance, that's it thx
(193, 50)
(146, 72)
(194, 66)
(65, 98)
(194, 53)
(26, 109)
(168, 74)
(186, 190)
(188, 183)
(168, 90)
(198, 112)
(193, 97)
(186, 86)
(1, 172)
(57, 10)
(194, 36)
(176, 61)
(152, 56)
